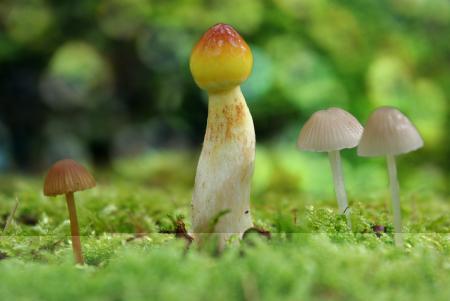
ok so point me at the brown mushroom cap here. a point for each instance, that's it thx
(67, 176)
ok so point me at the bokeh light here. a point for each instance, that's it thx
(75, 73)
(123, 19)
(303, 77)
(28, 22)
(164, 49)
(261, 78)
(62, 143)
(113, 79)
(342, 38)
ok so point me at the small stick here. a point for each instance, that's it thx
(294, 215)
(11, 215)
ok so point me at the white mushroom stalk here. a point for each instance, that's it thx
(220, 62)
(389, 133)
(395, 194)
(330, 131)
(339, 183)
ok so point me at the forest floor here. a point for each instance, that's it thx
(135, 247)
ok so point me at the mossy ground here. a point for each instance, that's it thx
(311, 254)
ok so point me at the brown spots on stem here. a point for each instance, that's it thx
(240, 113)
(223, 120)
(228, 114)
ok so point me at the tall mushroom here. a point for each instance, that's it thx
(330, 131)
(66, 177)
(389, 133)
(219, 63)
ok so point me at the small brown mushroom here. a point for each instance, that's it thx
(66, 177)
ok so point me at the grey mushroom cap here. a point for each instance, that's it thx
(388, 132)
(330, 130)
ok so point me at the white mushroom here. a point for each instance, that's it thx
(389, 133)
(330, 131)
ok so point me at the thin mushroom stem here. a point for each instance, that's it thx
(392, 168)
(76, 243)
(339, 186)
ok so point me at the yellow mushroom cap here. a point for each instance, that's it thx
(221, 59)
(67, 176)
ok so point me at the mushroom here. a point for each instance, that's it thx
(330, 131)
(219, 63)
(389, 133)
(66, 177)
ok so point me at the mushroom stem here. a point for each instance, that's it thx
(225, 168)
(339, 186)
(392, 168)
(76, 243)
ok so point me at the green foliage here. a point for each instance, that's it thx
(106, 78)
(130, 254)
(305, 266)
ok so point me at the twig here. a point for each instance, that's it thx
(11, 215)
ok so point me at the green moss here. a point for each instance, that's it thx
(311, 254)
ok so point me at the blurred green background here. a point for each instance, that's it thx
(100, 80)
